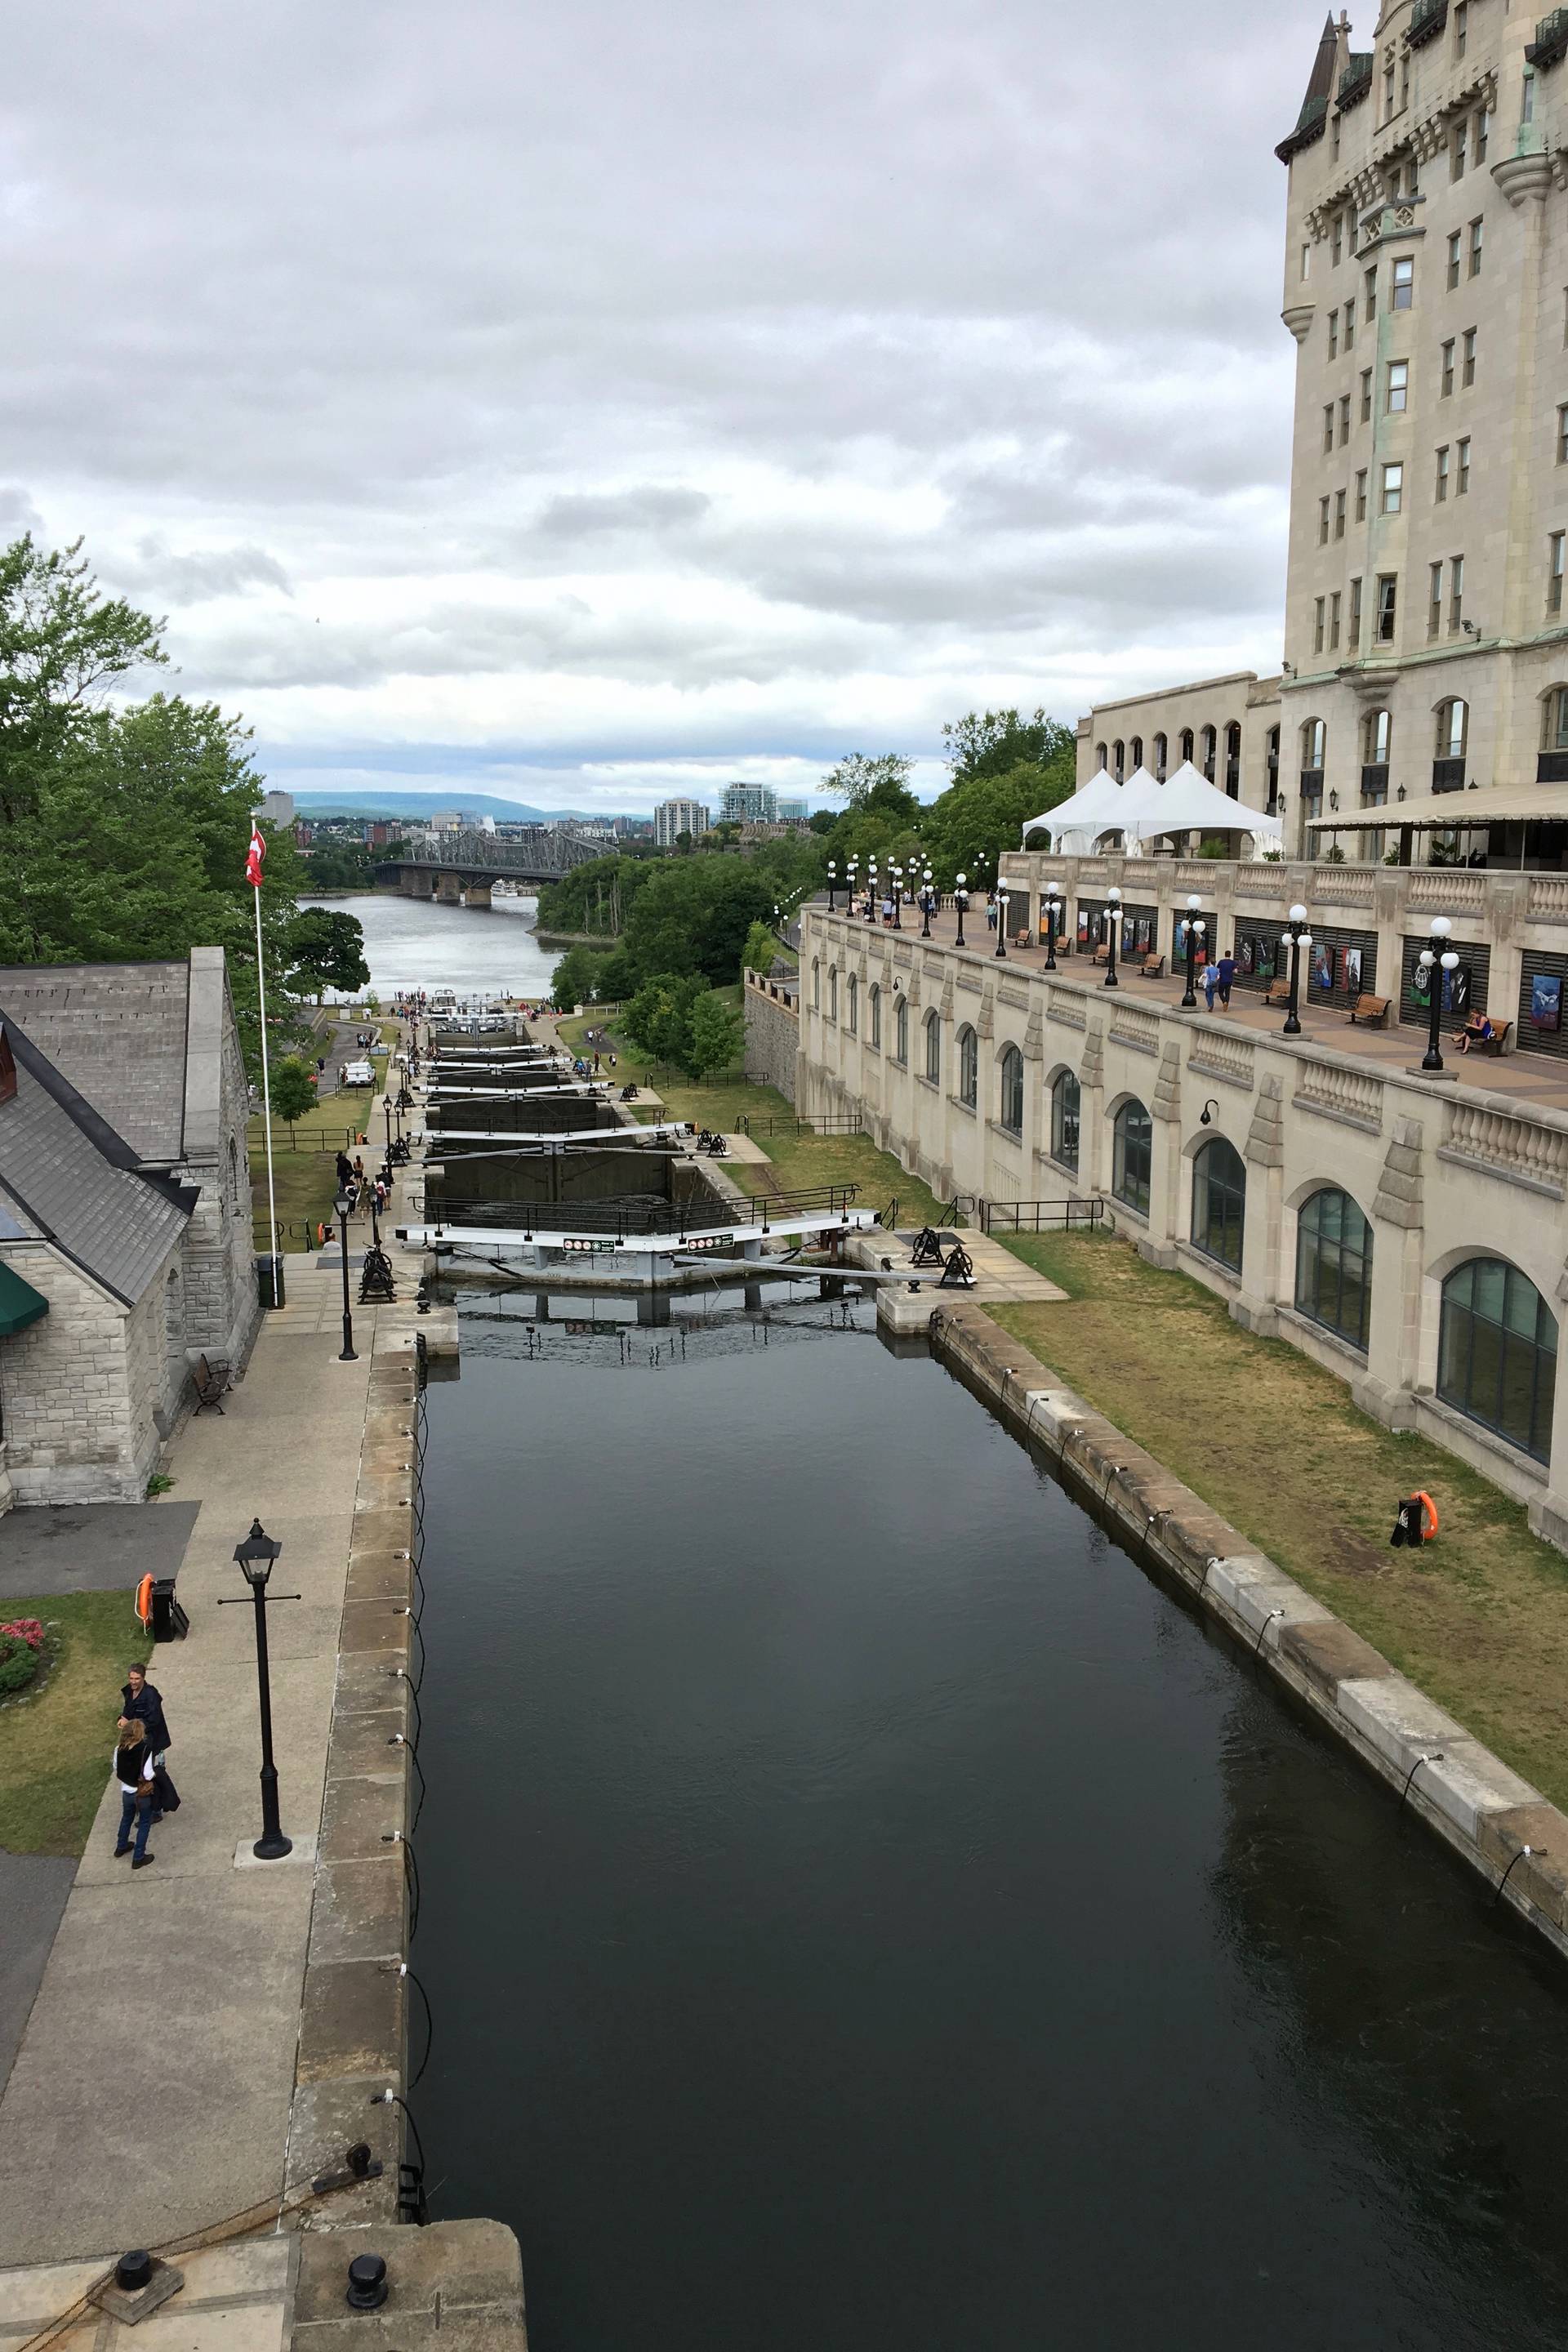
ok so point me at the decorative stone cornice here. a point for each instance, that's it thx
(1299, 319)
(1524, 179)
(1091, 1069)
(1266, 1136)
(1398, 1198)
(1165, 1101)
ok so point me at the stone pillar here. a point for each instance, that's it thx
(411, 882)
(1394, 1336)
(1093, 1135)
(1167, 1166)
(449, 889)
(1257, 1306)
(477, 894)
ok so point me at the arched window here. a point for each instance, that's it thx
(1119, 760)
(1186, 743)
(816, 984)
(1334, 1264)
(1131, 1160)
(875, 1009)
(833, 992)
(1555, 720)
(901, 1031)
(1012, 1091)
(1064, 1120)
(1314, 742)
(1100, 755)
(1376, 736)
(854, 1005)
(968, 1066)
(1135, 752)
(1161, 753)
(1453, 729)
(1497, 1354)
(1272, 763)
(1208, 741)
(1233, 760)
(934, 1047)
(1219, 1202)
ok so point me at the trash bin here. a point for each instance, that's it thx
(169, 1620)
(269, 1281)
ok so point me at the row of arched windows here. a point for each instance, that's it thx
(1124, 758)
(1450, 741)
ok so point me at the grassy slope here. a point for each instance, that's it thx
(1478, 1618)
(304, 1164)
(55, 1748)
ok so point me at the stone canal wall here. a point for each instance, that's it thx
(772, 1032)
(1502, 1826)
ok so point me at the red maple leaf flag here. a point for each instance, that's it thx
(254, 862)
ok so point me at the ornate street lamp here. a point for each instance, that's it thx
(255, 1558)
(1189, 995)
(832, 883)
(1053, 912)
(1112, 926)
(898, 896)
(1299, 937)
(1002, 893)
(961, 900)
(852, 880)
(928, 903)
(346, 1352)
(1437, 962)
(872, 893)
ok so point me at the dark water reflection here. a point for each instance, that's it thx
(861, 1909)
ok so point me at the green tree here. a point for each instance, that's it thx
(693, 915)
(881, 783)
(980, 816)
(577, 979)
(62, 647)
(658, 1017)
(992, 743)
(758, 951)
(718, 1034)
(328, 948)
(293, 1093)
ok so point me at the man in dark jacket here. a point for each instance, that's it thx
(1225, 974)
(140, 1702)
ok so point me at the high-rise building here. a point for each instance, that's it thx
(278, 808)
(792, 811)
(672, 818)
(1425, 637)
(748, 804)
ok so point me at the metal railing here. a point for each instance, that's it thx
(1038, 1216)
(780, 1123)
(627, 1220)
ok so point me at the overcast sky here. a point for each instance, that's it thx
(586, 402)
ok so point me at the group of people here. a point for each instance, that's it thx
(1217, 980)
(141, 1743)
(353, 1180)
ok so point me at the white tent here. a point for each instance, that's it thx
(1188, 802)
(1091, 810)
(1138, 803)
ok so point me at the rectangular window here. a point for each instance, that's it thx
(1393, 488)
(1388, 91)
(1339, 514)
(1333, 334)
(1468, 356)
(1456, 592)
(1338, 242)
(1350, 324)
(1461, 28)
(1323, 522)
(1366, 395)
(1440, 485)
(1563, 434)
(1527, 100)
(1306, 263)
(1388, 606)
(1434, 600)
(1399, 386)
(1483, 135)
(1371, 284)
(1555, 572)
(1404, 284)
(1455, 248)
(1328, 427)
(1462, 452)
(1345, 418)
(1353, 633)
(1333, 620)
(1461, 150)
(1447, 376)
(1318, 628)
(1360, 495)
(1476, 228)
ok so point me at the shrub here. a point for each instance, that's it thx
(19, 1659)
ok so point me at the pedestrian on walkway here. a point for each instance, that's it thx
(1210, 981)
(345, 1171)
(1225, 974)
(134, 1770)
(142, 1702)
(990, 912)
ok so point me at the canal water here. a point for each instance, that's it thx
(492, 949)
(862, 1909)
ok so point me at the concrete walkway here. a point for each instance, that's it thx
(90, 1547)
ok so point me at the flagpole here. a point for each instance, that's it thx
(265, 1107)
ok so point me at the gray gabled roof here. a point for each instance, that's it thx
(117, 1033)
(74, 1180)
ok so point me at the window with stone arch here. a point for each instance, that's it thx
(1064, 1102)
(1132, 1155)
(1376, 739)
(1186, 745)
(1100, 755)
(1453, 729)
(934, 1047)
(854, 1006)
(1208, 748)
(874, 1011)
(1219, 1202)
(1497, 1354)
(1162, 754)
(1013, 1091)
(1135, 753)
(901, 1031)
(1119, 759)
(815, 983)
(1554, 719)
(968, 1067)
(1314, 743)
(1333, 1266)
(833, 992)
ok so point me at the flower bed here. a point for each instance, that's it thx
(21, 1654)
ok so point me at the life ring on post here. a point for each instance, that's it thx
(145, 1604)
(1430, 1521)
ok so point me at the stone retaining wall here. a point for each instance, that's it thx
(772, 1034)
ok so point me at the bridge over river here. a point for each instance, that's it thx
(463, 869)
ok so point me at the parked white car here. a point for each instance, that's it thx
(359, 1074)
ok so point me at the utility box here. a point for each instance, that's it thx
(169, 1622)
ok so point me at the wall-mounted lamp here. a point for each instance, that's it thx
(1209, 1108)
(1288, 669)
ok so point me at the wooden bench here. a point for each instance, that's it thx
(1495, 1043)
(1371, 1011)
(209, 1385)
(1153, 968)
(1278, 993)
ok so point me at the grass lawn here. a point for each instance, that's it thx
(304, 1164)
(1478, 1618)
(55, 1748)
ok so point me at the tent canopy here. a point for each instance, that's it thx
(1188, 802)
(1446, 811)
(1090, 809)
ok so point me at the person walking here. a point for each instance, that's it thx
(134, 1771)
(1210, 981)
(142, 1702)
(1225, 976)
(345, 1171)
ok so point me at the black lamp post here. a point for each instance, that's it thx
(961, 900)
(1002, 897)
(1112, 924)
(1190, 994)
(1437, 962)
(872, 893)
(851, 878)
(928, 903)
(346, 1352)
(1299, 936)
(832, 883)
(255, 1558)
(1053, 907)
(898, 897)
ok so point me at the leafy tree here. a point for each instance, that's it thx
(329, 948)
(759, 950)
(882, 784)
(693, 915)
(293, 1093)
(331, 864)
(594, 896)
(822, 821)
(577, 977)
(62, 645)
(683, 843)
(994, 743)
(981, 815)
(718, 1034)
(658, 1017)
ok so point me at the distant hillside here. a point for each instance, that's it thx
(384, 805)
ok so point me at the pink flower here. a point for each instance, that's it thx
(26, 1629)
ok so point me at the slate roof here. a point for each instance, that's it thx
(67, 1173)
(116, 1033)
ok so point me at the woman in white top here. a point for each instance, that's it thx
(133, 1769)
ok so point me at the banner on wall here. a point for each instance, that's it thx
(1545, 1000)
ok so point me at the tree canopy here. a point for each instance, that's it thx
(327, 949)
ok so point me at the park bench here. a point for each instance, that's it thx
(1495, 1043)
(1371, 1011)
(1279, 993)
(1153, 968)
(209, 1385)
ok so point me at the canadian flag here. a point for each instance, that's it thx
(254, 861)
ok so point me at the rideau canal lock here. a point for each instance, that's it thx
(826, 1841)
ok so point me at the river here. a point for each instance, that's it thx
(861, 1908)
(495, 950)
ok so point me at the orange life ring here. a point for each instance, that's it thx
(1428, 1515)
(144, 1601)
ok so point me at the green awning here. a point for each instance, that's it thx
(20, 1304)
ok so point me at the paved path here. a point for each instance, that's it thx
(33, 1892)
(91, 1547)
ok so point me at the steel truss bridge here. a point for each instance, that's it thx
(467, 864)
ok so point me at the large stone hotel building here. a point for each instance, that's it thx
(1426, 641)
